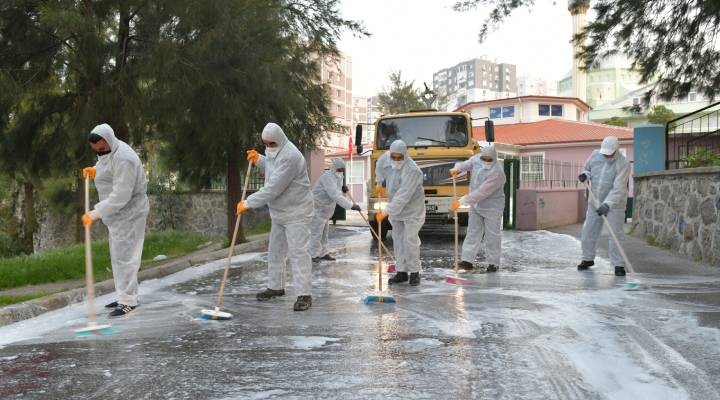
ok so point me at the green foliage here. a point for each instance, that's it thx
(651, 241)
(616, 121)
(60, 195)
(7, 300)
(660, 115)
(68, 262)
(702, 158)
(671, 43)
(400, 97)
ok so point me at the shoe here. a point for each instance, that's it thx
(122, 310)
(619, 271)
(398, 278)
(114, 304)
(302, 303)
(414, 279)
(268, 294)
(327, 257)
(467, 266)
(316, 259)
(584, 265)
(491, 268)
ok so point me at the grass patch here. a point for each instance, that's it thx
(69, 262)
(651, 241)
(7, 300)
(264, 227)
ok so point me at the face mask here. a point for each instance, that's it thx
(271, 152)
(102, 153)
(487, 165)
(339, 175)
(397, 164)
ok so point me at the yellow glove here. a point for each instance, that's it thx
(253, 157)
(379, 191)
(87, 220)
(454, 172)
(455, 205)
(379, 217)
(88, 172)
(241, 207)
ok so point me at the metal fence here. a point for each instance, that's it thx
(693, 139)
(538, 173)
(255, 183)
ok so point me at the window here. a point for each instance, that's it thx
(355, 173)
(508, 111)
(546, 110)
(495, 112)
(556, 110)
(338, 93)
(532, 167)
(337, 107)
(692, 96)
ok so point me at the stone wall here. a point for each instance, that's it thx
(678, 210)
(202, 213)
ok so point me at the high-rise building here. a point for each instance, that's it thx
(337, 74)
(474, 80)
(533, 86)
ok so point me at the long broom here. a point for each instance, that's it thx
(633, 284)
(456, 280)
(92, 327)
(216, 314)
(392, 258)
(379, 297)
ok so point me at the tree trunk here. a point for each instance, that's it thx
(118, 116)
(80, 210)
(233, 191)
(30, 225)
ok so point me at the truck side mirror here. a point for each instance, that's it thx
(358, 138)
(489, 131)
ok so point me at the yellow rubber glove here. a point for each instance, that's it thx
(88, 172)
(455, 205)
(241, 207)
(253, 156)
(87, 220)
(379, 217)
(379, 191)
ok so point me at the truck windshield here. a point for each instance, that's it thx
(425, 131)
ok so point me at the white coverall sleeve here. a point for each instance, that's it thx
(492, 183)
(405, 192)
(261, 164)
(620, 188)
(124, 175)
(464, 166)
(336, 194)
(282, 176)
(586, 168)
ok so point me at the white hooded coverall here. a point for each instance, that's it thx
(326, 192)
(609, 179)
(487, 200)
(122, 188)
(287, 194)
(405, 209)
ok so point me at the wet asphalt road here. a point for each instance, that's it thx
(538, 329)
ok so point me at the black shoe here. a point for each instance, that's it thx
(268, 294)
(302, 303)
(467, 266)
(114, 304)
(398, 278)
(491, 268)
(584, 265)
(327, 257)
(122, 310)
(619, 271)
(414, 279)
(316, 259)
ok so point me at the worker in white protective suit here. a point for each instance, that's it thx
(382, 168)
(607, 171)
(327, 192)
(287, 194)
(406, 212)
(486, 199)
(122, 188)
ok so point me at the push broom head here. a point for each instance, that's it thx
(378, 298)
(456, 280)
(632, 286)
(95, 330)
(391, 269)
(215, 315)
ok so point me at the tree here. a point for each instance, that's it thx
(660, 115)
(616, 121)
(401, 97)
(671, 43)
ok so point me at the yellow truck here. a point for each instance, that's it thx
(436, 141)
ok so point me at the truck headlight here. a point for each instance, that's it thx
(379, 206)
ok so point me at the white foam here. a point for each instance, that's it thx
(310, 342)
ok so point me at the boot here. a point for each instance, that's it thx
(327, 257)
(268, 294)
(619, 271)
(302, 303)
(414, 278)
(491, 268)
(585, 265)
(398, 278)
(467, 266)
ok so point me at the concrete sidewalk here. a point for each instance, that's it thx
(32, 308)
(644, 258)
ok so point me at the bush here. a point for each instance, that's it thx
(702, 158)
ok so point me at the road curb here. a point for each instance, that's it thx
(32, 308)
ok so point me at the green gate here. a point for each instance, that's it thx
(512, 183)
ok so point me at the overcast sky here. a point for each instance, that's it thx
(419, 37)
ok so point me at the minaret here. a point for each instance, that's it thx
(578, 9)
